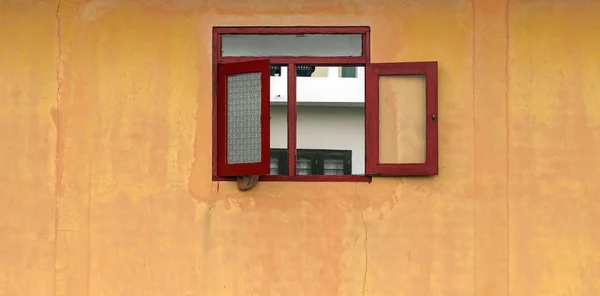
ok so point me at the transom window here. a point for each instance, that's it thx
(306, 104)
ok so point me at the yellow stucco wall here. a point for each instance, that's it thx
(105, 187)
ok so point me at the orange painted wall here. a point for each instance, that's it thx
(106, 182)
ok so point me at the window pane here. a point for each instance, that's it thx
(278, 123)
(303, 166)
(243, 118)
(349, 72)
(333, 167)
(402, 119)
(331, 116)
(292, 45)
(305, 71)
(274, 166)
(275, 70)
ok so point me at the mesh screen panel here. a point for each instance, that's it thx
(243, 118)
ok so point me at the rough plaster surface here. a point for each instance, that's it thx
(106, 157)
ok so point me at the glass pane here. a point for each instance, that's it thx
(274, 166)
(303, 166)
(333, 167)
(243, 118)
(292, 45)
(348, 71)
(331, 117)
(278, 123)
(402, 119)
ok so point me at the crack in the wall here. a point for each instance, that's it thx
(89, 222)
(507, 120)
(57, 160)
(364, 286)
(473, 106)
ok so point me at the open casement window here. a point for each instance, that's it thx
(243, 118)
(306, 104)
(401, 119)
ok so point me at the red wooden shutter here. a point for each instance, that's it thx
(406, 125)
(243, 98)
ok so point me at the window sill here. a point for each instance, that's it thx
(312, 178)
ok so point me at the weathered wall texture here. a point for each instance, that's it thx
(105, 128)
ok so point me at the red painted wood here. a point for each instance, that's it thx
(292, 119)
(371, 120)
(309, 178)
(431, 81)
(367, 46)
(216, 47)
(373, 72)
(317, 61)
(292, 30)
(246, 169)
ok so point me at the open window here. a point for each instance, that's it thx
(243, 113)
(306, 104)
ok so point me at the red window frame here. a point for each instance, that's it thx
(243, 169)
(290, 62)
(372, 164)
